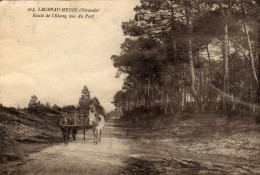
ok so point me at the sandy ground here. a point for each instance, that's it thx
(81, 157)
(121, 152)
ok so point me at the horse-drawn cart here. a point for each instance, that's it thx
(73, 122)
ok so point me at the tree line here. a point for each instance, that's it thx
(85, 101)
(190, 55)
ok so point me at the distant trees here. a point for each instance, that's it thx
(191, 55)
(112, 114)
(34, 102)
(35, 106)
(56, 107)
(84, 100)
(120, 102)
(48, 105)
(98, 106)
(69, 109)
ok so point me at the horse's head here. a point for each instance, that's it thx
(92, 119)
(92, 108)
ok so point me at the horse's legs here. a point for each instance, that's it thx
(66, 135)
(63, 133)
(74, 132)
(73, 135)
(96, 136)
(100, 134)
(68, 130)
(94, 132)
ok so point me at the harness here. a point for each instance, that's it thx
(96, 121)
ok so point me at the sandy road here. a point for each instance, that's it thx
(83, 157)
(120, 153)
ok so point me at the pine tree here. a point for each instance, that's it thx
(33, 102)
(84, 100)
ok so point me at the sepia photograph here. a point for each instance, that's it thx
(130, 87)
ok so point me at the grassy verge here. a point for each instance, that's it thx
(212, 143)
(23, 133)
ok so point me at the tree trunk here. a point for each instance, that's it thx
(258, 88)
(148, 92)
(171, 104)
(249, 47)
(164, 103)
(225, 67)
(210, 70)
(202, 91)
(190, 57)
(182, 98)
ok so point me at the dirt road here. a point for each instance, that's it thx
(120, 153)
(82, 157)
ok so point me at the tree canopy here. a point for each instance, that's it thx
(190, 55)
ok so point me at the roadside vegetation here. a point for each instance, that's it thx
(187, 143)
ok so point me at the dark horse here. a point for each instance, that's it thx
(67, 129)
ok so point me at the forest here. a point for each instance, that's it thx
(190, 56)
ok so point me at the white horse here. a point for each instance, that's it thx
(97, 122)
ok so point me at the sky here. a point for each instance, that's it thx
(54, 58)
